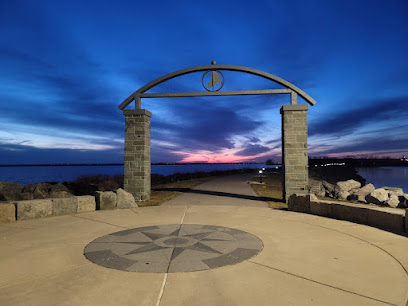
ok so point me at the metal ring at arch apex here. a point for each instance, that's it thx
(202, 80)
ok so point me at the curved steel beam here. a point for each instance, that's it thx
(253, 71)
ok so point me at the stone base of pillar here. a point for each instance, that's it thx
(294, 150)
(137, 153)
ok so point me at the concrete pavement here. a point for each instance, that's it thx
(305, 259)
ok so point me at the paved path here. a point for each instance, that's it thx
(304, 260)
(230, 190)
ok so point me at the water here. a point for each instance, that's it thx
(386, 176)
(30, 175)
(379, 177)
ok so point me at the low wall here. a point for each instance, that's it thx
(32, 209)
(390, 219)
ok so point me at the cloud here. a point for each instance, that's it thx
(374, 145)
(253, 140)
(195, 126)
(17, 154)
(374, 113)
(252, 150)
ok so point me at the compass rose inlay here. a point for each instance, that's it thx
(173, 248)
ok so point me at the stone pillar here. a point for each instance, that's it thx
(137, 153)
(295, 170)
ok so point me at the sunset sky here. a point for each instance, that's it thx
(65, 66)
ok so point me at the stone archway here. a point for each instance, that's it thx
(294, 130)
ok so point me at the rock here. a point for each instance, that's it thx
(108, 185)
(60, 194)
(125, 199)
(347, 185)
(64, 206)
(343, 189)
(33, 209)
(10, 191)
(357, 197)
(334, 174)
(378, 196)
(393, 201)
(360, 194)
(317, 188)
(38, 190)
(329, 189)
(313, 197)
(299, 203)
(105, 200)
(80, 189)
(59, 187)
(366, 189)
(403, 203)
(394, 190)
(7, 212)
(342, 195)
(86, 203)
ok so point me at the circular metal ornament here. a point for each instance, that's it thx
(217, 78)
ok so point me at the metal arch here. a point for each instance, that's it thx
(181, 72)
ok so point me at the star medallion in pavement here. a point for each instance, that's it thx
(173, 248)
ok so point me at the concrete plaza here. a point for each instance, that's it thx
(304, 260)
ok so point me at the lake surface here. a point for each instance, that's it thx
(379, 177)
(386, 176)
(30, 175)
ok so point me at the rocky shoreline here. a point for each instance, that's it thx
(90, 185)
(336, 182)
(353, 191)
(344, 183)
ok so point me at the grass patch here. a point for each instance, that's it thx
(271, 189)
(165, 188)
(159, 194)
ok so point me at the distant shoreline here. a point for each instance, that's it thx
(356, 163)
(121, 164)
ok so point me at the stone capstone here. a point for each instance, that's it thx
(105, 200)
(378, 196)
(64, 206)
(125, 199)
(7, 212)
(299, 203)
(86, 203)
(34, 209)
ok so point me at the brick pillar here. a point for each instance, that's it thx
(137, 153)
(294, 150)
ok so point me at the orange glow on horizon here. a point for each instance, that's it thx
(226, 156)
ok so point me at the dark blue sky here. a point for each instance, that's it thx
(65, 66)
